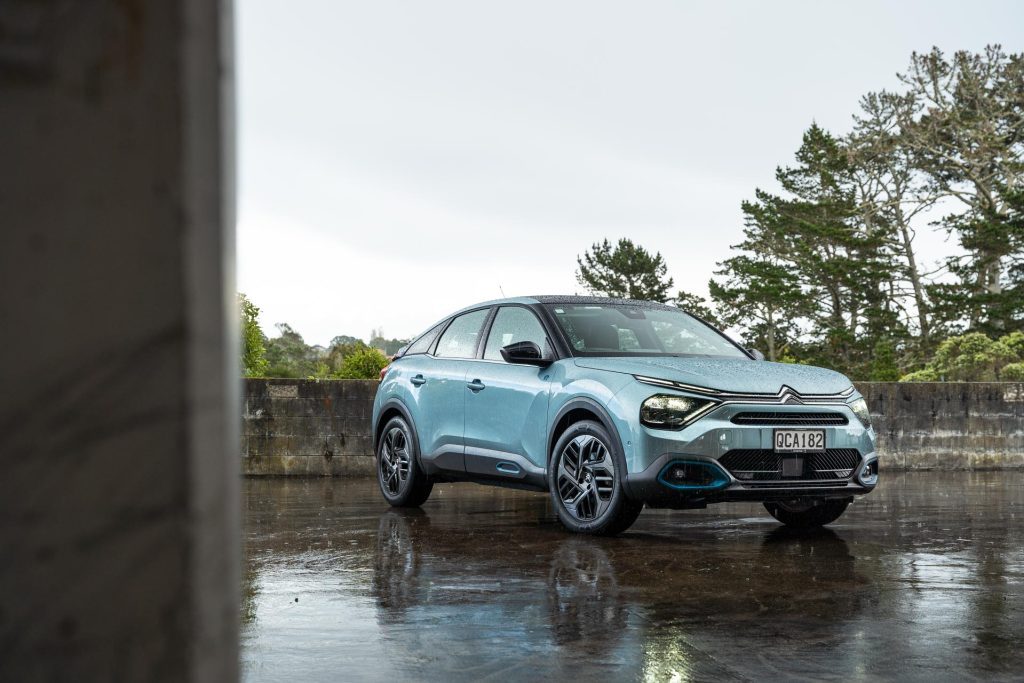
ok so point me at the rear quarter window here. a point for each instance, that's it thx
(423, 342)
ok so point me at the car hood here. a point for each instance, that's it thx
(734, 375)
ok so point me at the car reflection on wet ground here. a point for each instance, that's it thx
(922, 580)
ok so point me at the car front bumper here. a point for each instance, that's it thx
(652, 487)
(741, 464)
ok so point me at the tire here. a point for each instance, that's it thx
(809, 516)
(402, 482)
(585, 481)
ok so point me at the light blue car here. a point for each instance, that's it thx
(611, 404)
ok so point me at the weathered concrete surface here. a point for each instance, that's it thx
(309, 427)
(922, 580)
(119, 544)
(948, 426)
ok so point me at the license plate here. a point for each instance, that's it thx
(799, 440)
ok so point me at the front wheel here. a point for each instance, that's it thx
(585, 481)
(401, 480)
(808, 515)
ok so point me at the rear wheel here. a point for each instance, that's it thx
(401, 480)
(808, 515)
(585, 481)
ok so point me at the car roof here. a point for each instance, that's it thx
(564, 299)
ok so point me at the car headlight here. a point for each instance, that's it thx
(670, 412)
(860, 409)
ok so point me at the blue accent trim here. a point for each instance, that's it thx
(720, 481)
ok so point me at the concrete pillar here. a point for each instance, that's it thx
(119, 525)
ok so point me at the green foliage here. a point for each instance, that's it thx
(388, 347)
(883, 363)
(289, 356)
(1014, 372)
(808, 256)
(254, 362)
(625, 271)
(828, 267)
(365, 363)
(695, 305)
(761, 295)
(972, 357)
(966, 130)
(1015, 342)
(923, 375)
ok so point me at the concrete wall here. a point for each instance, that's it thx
(308, 427)
(948, 426)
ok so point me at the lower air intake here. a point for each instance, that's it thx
(765, 465)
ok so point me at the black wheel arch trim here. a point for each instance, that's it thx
(605, 418)
(394, 403)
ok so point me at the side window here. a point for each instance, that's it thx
(422, 344)
(459, 340)
(514, 324)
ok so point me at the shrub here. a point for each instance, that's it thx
(973, 357)
(1014, 372)
(254, 362)
(364, 363)
(1015, 342)
(922, 375)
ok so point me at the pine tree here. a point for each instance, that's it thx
(966, 131)
(625, 271)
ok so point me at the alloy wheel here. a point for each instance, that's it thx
(585, 477)
(394, 461)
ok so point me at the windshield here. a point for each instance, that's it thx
(624, 330)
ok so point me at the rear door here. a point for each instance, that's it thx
(439, 387)
(506, 404)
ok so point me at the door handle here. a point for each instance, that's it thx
(418, 380)
(476, 385)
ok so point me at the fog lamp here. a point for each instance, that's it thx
(682, 474)
(868, 474)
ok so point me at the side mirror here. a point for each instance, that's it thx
(524, 353)
(756, 354)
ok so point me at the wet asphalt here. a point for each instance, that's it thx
(923, 580)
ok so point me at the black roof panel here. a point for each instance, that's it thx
(585, 300)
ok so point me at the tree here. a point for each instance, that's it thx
(966, 131)
(893, 194)
(625, 271)
(388, 347)
(341, 348)
(819, 250)
(344, 340)
(883, 362)
(761, 295)
(695, 305)
(254, 362)
(289, 356)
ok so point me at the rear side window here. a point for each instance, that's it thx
(423, 342)
(460, 339)
(514, 324)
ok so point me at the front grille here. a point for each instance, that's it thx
(765, 465)
(802, 419)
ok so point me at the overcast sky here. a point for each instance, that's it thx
(398, 161)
